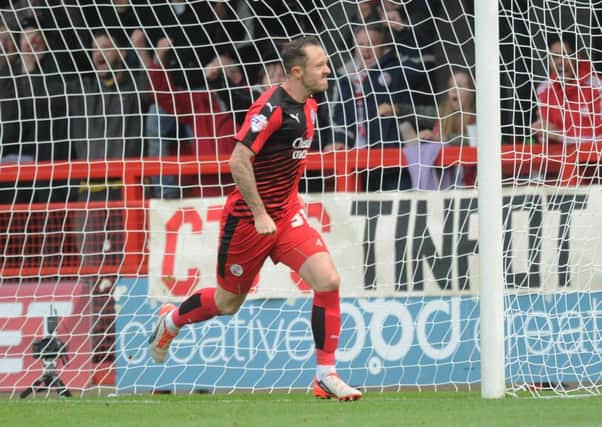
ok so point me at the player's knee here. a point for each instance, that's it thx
(227, 303)
(331, 282)
(228, 307)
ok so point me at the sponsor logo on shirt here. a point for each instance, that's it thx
(300, 146)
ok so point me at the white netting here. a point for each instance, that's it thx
(550, 74)
(117, 119)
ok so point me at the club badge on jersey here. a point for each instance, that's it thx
(258, 123)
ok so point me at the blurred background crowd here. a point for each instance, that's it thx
(83, 80)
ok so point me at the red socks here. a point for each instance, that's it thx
(325, 319)
(198, 307)
(326, 325)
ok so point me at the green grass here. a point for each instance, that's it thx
(300, 409)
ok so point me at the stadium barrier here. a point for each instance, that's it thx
(41, 222)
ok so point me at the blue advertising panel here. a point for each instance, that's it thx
(384, 342)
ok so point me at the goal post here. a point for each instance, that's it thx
(491, 279)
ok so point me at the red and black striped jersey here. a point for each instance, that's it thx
(279, 130)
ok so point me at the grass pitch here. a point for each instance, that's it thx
(301, 409)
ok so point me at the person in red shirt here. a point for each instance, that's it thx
(213, 128)
(570, 100)
(263, 217)
(200, 111)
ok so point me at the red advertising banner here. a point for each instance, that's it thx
(25, 310)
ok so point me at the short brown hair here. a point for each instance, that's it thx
(293, 52)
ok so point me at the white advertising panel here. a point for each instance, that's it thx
(395, 244)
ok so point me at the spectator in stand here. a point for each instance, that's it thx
(226, 28)
(408, 34)
(8, 112)
(34, 110)
(570, 100)
(8, 47)
(271, 24)
(62, 26)
(106, 110)
(569, 103)
(365, 12)
(14, 12)
(197, 32)
(416, 57)
(119, 17)
(272, 73)
(105, 124)
(364, 104)
(9, 124)
(164, 134)
(277, 21)
(455, 126)
(213, 128)
(227, 80)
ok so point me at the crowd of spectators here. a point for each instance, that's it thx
(130, 79)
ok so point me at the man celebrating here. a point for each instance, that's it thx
(263, 217)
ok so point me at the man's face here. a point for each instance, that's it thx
(232, 70)
(461, 93)
(7, 43)
(563, 61)
(369, 48)
(31, 41)
(106, 56)
(315, 70)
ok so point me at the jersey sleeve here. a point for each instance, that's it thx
(261, 121)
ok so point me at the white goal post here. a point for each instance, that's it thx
(491, 295)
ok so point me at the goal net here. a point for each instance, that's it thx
(117, 119)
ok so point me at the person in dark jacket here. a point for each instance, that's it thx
(34, 112)
(105, 124)
(106, 108)
(365, 99)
